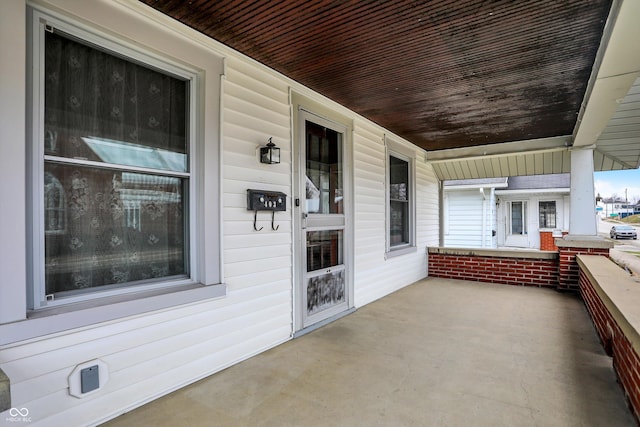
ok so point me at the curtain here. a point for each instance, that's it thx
(109, 225)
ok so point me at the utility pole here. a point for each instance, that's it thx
(626, 202)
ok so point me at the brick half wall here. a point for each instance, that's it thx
(612, 299)
(523, 268)
(568, 267)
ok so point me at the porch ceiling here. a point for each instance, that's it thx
(444, 75)
(619, 142)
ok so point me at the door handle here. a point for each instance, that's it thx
(304, 220)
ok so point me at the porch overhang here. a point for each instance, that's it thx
(534, 157)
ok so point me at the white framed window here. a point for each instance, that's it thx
(518, 218)
(547, 214)
(113, 181)
(400, 199)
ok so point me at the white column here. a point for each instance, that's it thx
(441, 219)
(582, 217)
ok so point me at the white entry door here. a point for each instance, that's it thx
(323, 286)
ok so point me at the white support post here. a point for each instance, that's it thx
(582, 218)
(583, 227)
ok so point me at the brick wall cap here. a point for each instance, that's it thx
(494, 253)
(617, 290)
(595, 243)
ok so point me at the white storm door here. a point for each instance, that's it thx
(323, 286)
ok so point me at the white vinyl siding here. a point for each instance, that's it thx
(146, 355)
(255, 106)
(150, 354)
(369, 218)
(375, 274)
(464, 217)
(470, 218)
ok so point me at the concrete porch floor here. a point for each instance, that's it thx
(437, 353)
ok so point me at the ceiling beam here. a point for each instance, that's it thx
(503, 149)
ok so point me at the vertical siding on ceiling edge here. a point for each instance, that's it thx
(152, 354)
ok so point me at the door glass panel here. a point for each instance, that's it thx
(324, 291)
(518, 218)
(324, 249)
(324, 170)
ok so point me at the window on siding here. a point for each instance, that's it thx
(400, 200)
(399, 221)
(113, 151)
(518, 218)
(547, 213)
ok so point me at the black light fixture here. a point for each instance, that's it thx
(270, 154)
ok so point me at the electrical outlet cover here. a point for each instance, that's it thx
(89, 379)
(75, 379)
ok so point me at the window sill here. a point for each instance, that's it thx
(63, 318)
(400, 251)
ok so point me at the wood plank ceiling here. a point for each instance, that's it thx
(442, 74)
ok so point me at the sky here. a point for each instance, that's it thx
(615, 182)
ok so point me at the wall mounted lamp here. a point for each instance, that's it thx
(270, 154)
